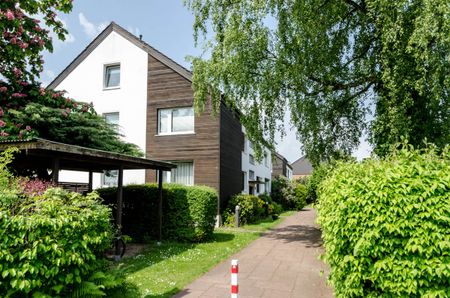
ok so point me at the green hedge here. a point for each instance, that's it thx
(53, 244)
(188, 211)
(252, 208)
(386, 225)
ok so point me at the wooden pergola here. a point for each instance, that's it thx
(41, 154)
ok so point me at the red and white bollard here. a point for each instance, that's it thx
(234, 278)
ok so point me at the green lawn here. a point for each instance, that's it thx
(162, 271)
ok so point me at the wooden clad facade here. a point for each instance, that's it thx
(231, 147)
(215, 147)
(168, 89)
(279, 166)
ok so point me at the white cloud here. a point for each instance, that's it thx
(47, 76)
(50, 74)
(69, 37)
(89, 28)
(134, 30)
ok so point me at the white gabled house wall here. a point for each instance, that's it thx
(262, 169)
(86, 83)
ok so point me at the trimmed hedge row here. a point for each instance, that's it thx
(386, 225)
(188, 211)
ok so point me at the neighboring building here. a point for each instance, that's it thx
(151, 98)
(301, 168)
(281, 167)
(256, 176)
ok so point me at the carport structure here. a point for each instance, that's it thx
(43, 155)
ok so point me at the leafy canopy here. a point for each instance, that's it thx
(329, 62)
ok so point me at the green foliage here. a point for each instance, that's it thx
(328, 62)
(188, 211)
(276, 208)
(252, 208)
(301, 193)
(282, 191)
(53, 244)
(8, 190)
(51, 115)
(386, 225)
(318, 175)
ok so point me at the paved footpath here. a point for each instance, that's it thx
(281, 263)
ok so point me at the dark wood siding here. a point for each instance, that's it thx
(168, 89)
(231, 146)
(278, 167)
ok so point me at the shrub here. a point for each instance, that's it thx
(318, 175)
(188, 211)
(283, 192)
(33, 187)
(53, 244)
(276, 208)
(300, 196)
(251, 209)
(386, 225)
(290, 194)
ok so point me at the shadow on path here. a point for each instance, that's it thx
(309, 236)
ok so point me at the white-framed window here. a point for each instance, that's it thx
(110, 177)
(266, 160)
(244, 181)
(176, 121)
(251, 159)
(267, 185)
(112, 118)
(111, 77)
(251, 175)
(182, 174)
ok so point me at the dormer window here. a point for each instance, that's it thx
(112, 76)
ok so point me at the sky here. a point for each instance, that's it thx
(164, 24)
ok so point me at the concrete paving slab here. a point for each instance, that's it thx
(281, 263)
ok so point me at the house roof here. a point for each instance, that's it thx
(113, 27)
(302, 166)
(41, 153)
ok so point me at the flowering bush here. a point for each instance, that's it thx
(33, 187)
(23, 37)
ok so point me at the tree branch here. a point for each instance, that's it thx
(360, 7)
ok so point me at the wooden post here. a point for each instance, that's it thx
(90, 181)
(160, 181)
(119, 210)
(55, 171)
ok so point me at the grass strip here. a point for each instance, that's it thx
(162, 271)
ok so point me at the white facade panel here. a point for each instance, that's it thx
(261, 170)
(86, 83)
